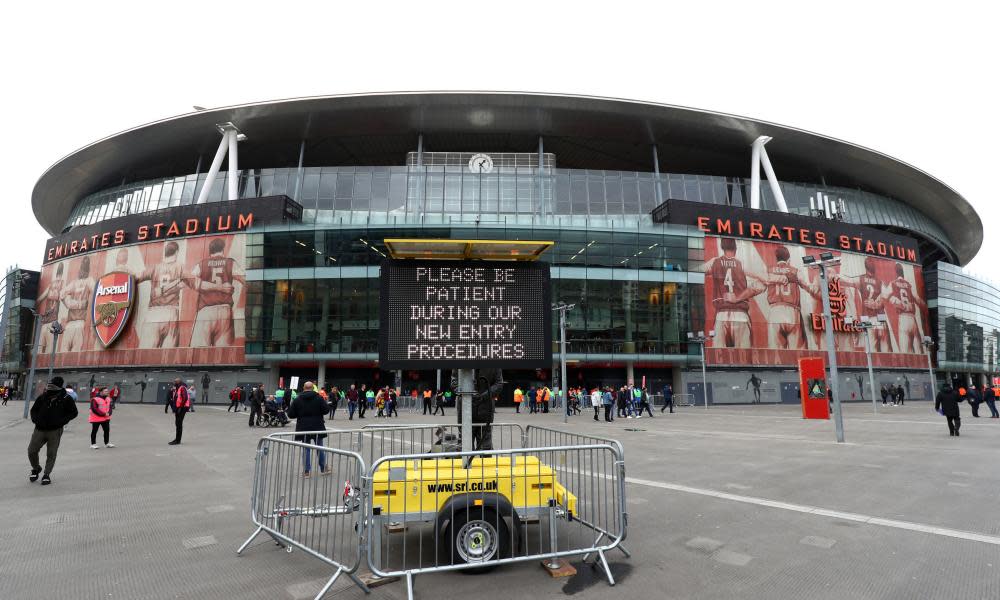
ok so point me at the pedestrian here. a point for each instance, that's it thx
(427, 401)
(180, 401)
(596, 401)
(607, 401)
(975, 399)
(989, 397)
(644, 402)
(668, 398)
(256, 405)
(637, 402)
(101, 407)
(622, 397)
(352, 401)
(546, 398)
(192, 396)
(52, 410)
(333, 399)
(367, 401)
(380, 402)
(531, 399)
(518, 399)
(885, 394)
(946, 404)
(439, 403)
(235, 397)
(900, 395)
(392, 403)
(114, 394)
(308, 410)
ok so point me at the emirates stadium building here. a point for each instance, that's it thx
(243, 244)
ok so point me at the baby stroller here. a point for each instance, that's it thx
(274, 414)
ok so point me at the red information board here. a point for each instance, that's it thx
(812, 386)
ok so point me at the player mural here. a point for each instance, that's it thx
(173, 302)
(765, 306)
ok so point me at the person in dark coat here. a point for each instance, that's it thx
(974, 398)
(52, 410)
(256, 405)
(309, 409)
(990, 398)
(885, 395)
(946, 403)
(900, 395)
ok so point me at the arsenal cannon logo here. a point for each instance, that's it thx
(112, 305)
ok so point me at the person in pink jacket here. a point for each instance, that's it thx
(100, 417)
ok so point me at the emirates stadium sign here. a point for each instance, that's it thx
(112, 305)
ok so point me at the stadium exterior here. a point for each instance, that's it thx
(294, 242)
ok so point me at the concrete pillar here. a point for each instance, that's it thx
(630, 371)
(438, 381)
(321, 375)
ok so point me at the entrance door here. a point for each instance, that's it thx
(790, 392)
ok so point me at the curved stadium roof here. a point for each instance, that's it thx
(583, 132)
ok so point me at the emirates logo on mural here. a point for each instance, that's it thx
(112, 304)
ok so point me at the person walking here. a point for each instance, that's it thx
(518, 399)
(392, 404)
(380, 402)
(668, 398)
(885, 394)
(192, 396)
(597, 401)
(367, 401)
(427, 395)
(115, 393)
(644, 402)
(438, 403)
(974, 398)
(531, 399)
(333, 399)
(900, 395)
(256, 405)
(946, 404)
(352, 401)
(608, 402)
(180, 402)
(990, 397)
(101, 407)
(50, 413)
(235, 397)
(308, 409)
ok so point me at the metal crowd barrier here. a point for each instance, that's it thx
(683, 400)
(319, 514)
(421, 507)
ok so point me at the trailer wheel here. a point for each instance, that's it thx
(477, 536)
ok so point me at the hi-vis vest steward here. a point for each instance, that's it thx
(103, 405)
(518, 396)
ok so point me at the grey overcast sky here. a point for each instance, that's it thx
(915, 80)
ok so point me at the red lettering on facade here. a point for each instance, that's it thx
(173, 229)
(244, 221)
(756, 229)
(724, 226)
(191, 226)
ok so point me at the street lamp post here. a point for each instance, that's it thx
(824, 261)
(56, 329)
(562, 307)
(30, 384)
(865, 325)
(700, 339)
(928, 344)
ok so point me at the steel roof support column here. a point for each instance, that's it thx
(758, 156)
(213, 171)
(234, 173)
(656, 172)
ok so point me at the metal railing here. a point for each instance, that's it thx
(424, 507)
(506, 506)
(316, 510)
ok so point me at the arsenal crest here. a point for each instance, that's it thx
(112, 305)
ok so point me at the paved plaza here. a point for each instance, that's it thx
(738, 502)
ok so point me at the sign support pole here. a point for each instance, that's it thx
(466, 387)
(29, 386)
(831, 352)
